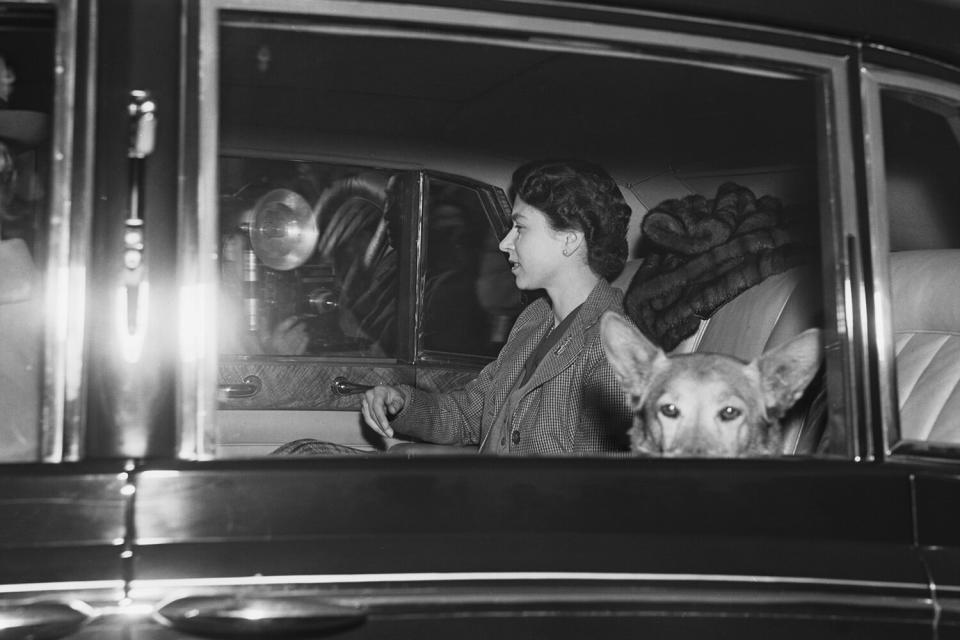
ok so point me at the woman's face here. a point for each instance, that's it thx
(534, 248)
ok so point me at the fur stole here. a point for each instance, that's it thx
(698, 254)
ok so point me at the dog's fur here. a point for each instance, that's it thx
(699, 404)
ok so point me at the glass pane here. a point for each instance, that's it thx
(26, 98)
(922, 156)
(470, 298)
(308, 259)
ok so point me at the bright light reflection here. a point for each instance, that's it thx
(195, 307)
(161, 473)
(131, 342)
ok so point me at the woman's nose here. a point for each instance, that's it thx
(507, 243)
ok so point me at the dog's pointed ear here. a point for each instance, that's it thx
(786, 370)
(629, 352)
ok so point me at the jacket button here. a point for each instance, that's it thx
(515, 437)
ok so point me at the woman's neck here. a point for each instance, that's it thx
(572, 292)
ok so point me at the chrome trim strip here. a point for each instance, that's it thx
(34, 587)
(452, 577)
(75, 397)
(490, 576)
(198, 252)
(878, 219)
(838, 203)
(64, 272)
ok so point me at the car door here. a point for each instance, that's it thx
(914, 151)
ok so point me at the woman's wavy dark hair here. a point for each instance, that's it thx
(575, 194)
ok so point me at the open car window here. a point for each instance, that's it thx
(361, 180)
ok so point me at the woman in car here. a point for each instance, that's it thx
(550, 390)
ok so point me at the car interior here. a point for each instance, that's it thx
(304, 106)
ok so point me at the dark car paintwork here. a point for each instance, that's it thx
(749, 547)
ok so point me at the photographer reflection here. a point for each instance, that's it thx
(244, 330)
(21, 317)
(300, 279)
(453, 320)
(359, 218)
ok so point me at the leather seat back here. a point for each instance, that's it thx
(760, 318)
(925, 300)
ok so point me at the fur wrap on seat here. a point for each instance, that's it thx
(698, 254)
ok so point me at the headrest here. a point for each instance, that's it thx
(925, 290)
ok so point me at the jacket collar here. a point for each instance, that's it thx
(602, 298)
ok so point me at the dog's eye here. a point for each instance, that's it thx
(730, 413)
(669, 410)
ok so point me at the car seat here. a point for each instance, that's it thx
(925, 300)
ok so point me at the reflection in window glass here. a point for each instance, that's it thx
(470, 298)
(308, 259)
(922, 158)
(26, 82)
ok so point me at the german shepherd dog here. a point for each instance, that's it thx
(707, 405)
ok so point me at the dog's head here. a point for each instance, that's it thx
(707, 404)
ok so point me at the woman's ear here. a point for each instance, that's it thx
(571, 241)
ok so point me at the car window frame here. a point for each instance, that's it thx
(68, 227)
(877, 76)
(824, 60)
(496, 210)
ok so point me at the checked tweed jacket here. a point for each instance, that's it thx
(572, 403)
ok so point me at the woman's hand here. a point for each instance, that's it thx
(377, 404)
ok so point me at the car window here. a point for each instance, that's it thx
(26, 236)
(921, 160)
(470, 299)
(405, 283)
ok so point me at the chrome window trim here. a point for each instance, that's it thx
(874, 79)
(143, 599)
(837, 195)
(139, 588)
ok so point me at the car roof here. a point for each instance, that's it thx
(927, 27)
(924, 27)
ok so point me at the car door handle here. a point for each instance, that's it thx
(257, 616)
(43, 619)
(343, 387)
(251, 386)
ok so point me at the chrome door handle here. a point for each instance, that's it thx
(251, 386)
(343, 387)
(43, 619)
(260, 617)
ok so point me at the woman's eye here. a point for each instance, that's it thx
(730, 413)
(669, 410)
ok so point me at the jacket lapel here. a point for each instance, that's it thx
(602, 298)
